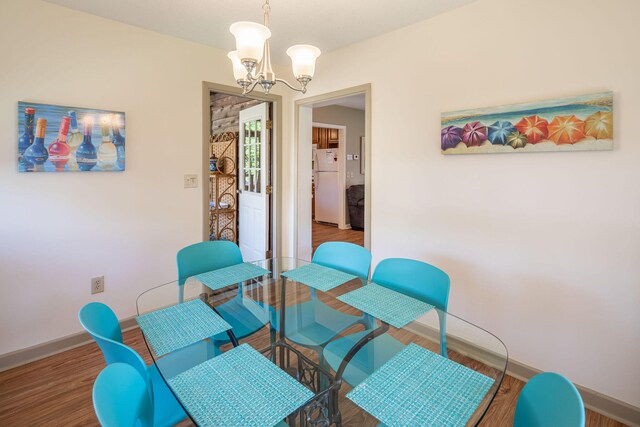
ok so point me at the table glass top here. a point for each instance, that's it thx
(360, 368)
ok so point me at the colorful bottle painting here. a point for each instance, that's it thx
(26, 139)
(37, 154)
(107, 155)
(59, 151)
(86, 153)
(74, 140)
(118, 141)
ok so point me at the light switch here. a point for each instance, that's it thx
(349, 156)
(191, 181)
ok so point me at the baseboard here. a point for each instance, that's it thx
(598, 402)
(49, 348)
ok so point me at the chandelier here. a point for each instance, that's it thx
(252, 59)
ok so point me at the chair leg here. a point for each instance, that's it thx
(442, 317)
(368, 321)
(273, 337)
(180, 294)
(322, 362)
(216, 349)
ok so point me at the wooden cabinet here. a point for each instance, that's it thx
(333, 136)
(325, 137)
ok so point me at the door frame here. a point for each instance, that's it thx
(275, 157)
(342, 170)
(307, 103)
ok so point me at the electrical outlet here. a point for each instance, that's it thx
(191, 181)
(97, 284)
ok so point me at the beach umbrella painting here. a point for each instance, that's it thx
(474, 134)
(566, 129)
(599, 125)
(498, 132)
(534, 128)
(517, 139)
(451, 136)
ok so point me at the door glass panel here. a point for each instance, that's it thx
(252, 162)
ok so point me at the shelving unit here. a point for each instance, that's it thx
(223, 184)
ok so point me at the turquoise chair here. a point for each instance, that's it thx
(102, 324)
(208, 256)
(121, 397)
(549, 399)
(312, 323)
(416, 279)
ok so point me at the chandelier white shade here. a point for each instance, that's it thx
(252, 59)
(303, 59)
(250, 39)
(239, 72)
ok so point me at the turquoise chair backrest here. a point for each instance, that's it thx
(416, 279)
(102, 324)
(344, 256)
(549, 399)
(206, 256)
(121, 397)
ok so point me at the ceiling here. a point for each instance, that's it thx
(328, 24)
(352, 101)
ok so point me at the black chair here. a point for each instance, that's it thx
(355, 201)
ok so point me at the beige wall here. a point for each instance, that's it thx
(542, 249)
(59, 230)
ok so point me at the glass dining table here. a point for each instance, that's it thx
(353, 353)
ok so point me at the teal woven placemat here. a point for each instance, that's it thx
(318, 276)
(420, 388)
(239, 388)
(223, 277)
(389, 306)
(178, 326)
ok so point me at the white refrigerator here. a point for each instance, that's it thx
(327, 197)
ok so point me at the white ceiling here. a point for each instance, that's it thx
(353, 101)
(328, 24)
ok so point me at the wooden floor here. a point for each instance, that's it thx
(330, 233)
(56, 391)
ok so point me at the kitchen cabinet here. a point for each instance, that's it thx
(325, 137)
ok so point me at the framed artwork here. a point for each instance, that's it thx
(362, 151)
(54, 138)
(581, 123)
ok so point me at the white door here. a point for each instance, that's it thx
(253, 177)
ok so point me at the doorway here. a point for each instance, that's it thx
(338, 166)
(241, 147)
